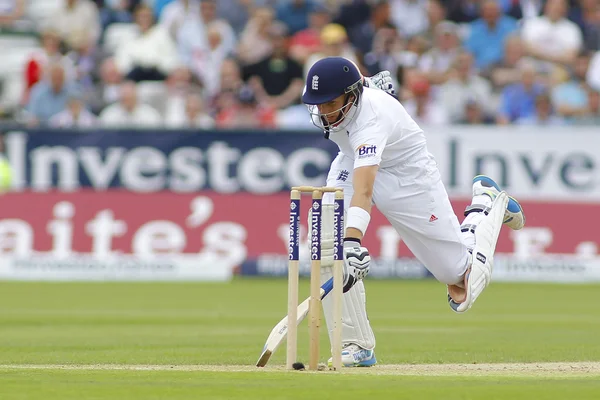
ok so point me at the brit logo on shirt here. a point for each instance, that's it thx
(366, 150)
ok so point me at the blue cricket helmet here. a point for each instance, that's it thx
(329, 78)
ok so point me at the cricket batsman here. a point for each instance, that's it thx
(383, 160)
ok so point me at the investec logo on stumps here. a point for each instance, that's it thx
(294, 243)
(336, 236)
(338, 229)
(315, 231)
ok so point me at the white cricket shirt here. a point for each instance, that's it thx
(382, 132)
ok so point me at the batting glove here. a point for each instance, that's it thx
(357, 262)
(381, 80)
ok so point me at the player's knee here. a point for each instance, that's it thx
(451, 274)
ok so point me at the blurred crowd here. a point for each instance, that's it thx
(241, 64)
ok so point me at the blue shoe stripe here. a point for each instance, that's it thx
(368, 363)
(486, 179)
(513, 205)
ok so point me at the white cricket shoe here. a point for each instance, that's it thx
(513, 216)
(355, 356)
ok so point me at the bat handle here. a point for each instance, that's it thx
(327, 287)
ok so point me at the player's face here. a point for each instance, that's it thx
(331, 110)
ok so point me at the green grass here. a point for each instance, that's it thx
(57, 385)
(227, 324)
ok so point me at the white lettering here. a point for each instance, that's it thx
(61, 229)
(187, 175)
(300, 159)
(102, 229)
(100, 173)
(259, 170)
(202, 209)
(530, 242)
(144, 169)
(283, 233)
(390, 240)
(315, 244)
(587, 249)
(220, 157)
(43, 160)
(157, 237)
(225, 241)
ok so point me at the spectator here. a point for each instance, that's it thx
(204, 43)
(350, 13)
(294, 14)
(49, 97)
(208, 15)
(569, 94)
(543, 114)
(231, 76)
(176, 13)
(276, 80)
(551, 37)
(409, 16)
(107, 91)
(464, 85)
(475, 115)
(515, 9)
(334, 44)
(593, 75)
(387, 54)
(36, 66)
(158, 6)
(128, 112)
(11, 13)
(416, 47)
(171, 102)
(254, 44)
(519, 99)
(437, 62)
(507, 70)
(436, 13)
(308, 41)
(229, 84)
(217, 53)
(421, 105)
(192, 116)
(115, 11)
(192, 45)
(85, 58)
(488, 33)
(362, 35)
(246, 112)
(77, 15)
(592, 117)
(587, 17)
(237, 12)
(463, 11)
(149, 57)
(75, 115)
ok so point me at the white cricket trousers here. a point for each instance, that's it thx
(408, 195)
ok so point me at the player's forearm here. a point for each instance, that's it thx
(362, 201)
(359, 212)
